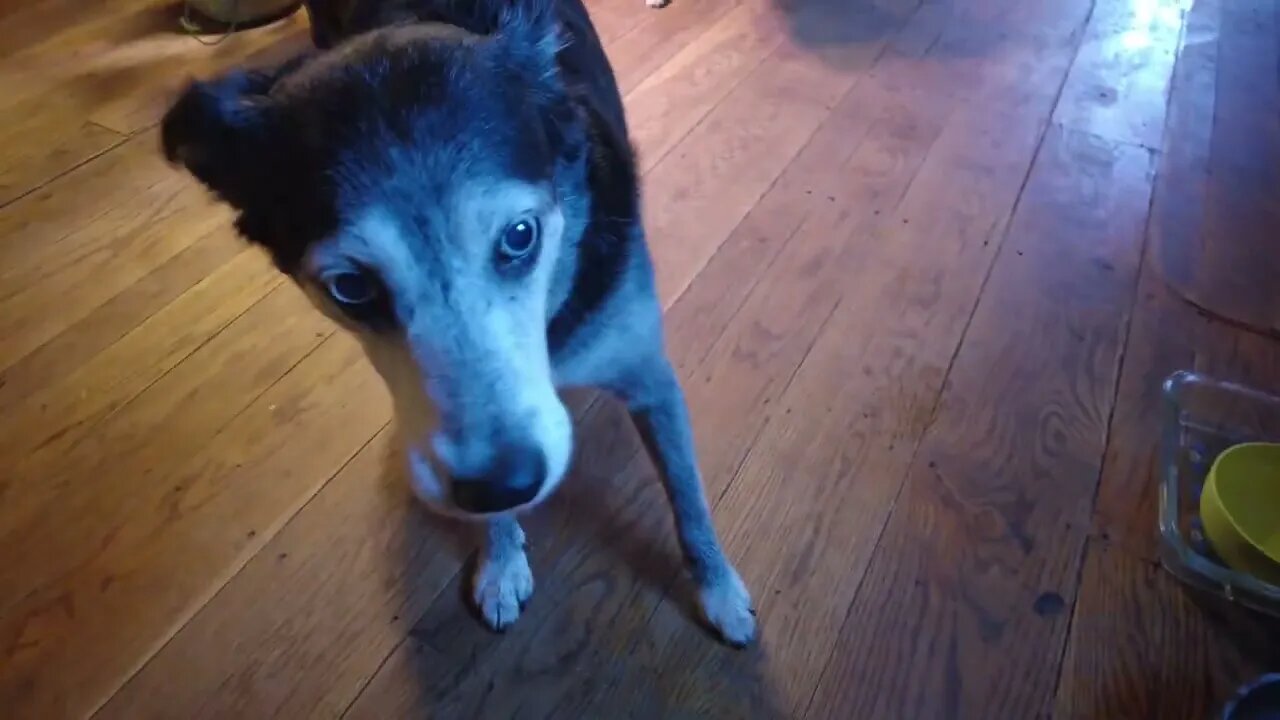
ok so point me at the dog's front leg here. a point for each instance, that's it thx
(658, 409)
(503, 581)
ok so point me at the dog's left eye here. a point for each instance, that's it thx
(361, 296)
(352, 287)
(519, 240)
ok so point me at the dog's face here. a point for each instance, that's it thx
(424, 187)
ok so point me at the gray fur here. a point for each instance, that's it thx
(402, 156)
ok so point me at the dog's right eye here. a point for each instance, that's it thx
(352, 288)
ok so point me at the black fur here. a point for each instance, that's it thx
(292, 149)
(610, 238)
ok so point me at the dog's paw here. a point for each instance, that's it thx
(726, 606)
(657, 3)
(500, 589)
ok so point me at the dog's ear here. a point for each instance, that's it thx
(219, 131)
(527, 40)
(529, 37)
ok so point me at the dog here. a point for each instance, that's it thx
(452, 181)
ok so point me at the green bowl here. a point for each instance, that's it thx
(1240, 509)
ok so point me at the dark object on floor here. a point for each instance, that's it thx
(1259, 700)
(244, 13)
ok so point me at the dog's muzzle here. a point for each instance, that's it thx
(514, 479)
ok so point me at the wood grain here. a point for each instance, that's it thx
(1119, 85)
(722, 168)
(970, 578)
(1142, 646)
(678, 95)
(57, 416)
(29, 160)
(51, 282)
(201, 509)
(50, 227)
(42, 370)
(641, 51)
(53, 518)
(185, 535)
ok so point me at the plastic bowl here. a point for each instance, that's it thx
(1240, 509)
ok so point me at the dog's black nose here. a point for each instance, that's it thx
(514, 479)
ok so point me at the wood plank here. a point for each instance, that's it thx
(614, 19)
(858, 161)
(44, 369)
(28, 159)
(640, 52)
(672, 100)
(750, 509)
(29, 30)
(69, 268)
(57, 416)
(34, 232)
(116, 64)
(190, 527)
(1165, 331)
(383, 536)
(969, 579)
(29, 23)
(1162, 336)
(1118, 87)
(1144, 647)
(65, 507)
(727, 163)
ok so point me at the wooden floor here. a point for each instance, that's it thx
(925, 262)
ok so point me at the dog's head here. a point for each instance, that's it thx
(424, 186)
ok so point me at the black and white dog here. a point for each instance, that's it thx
(452, 181)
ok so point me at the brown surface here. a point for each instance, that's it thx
(1143, 647)
(968, 582)
(1220, 250)
(902, 248)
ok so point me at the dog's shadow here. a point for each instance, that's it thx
(603, 556)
